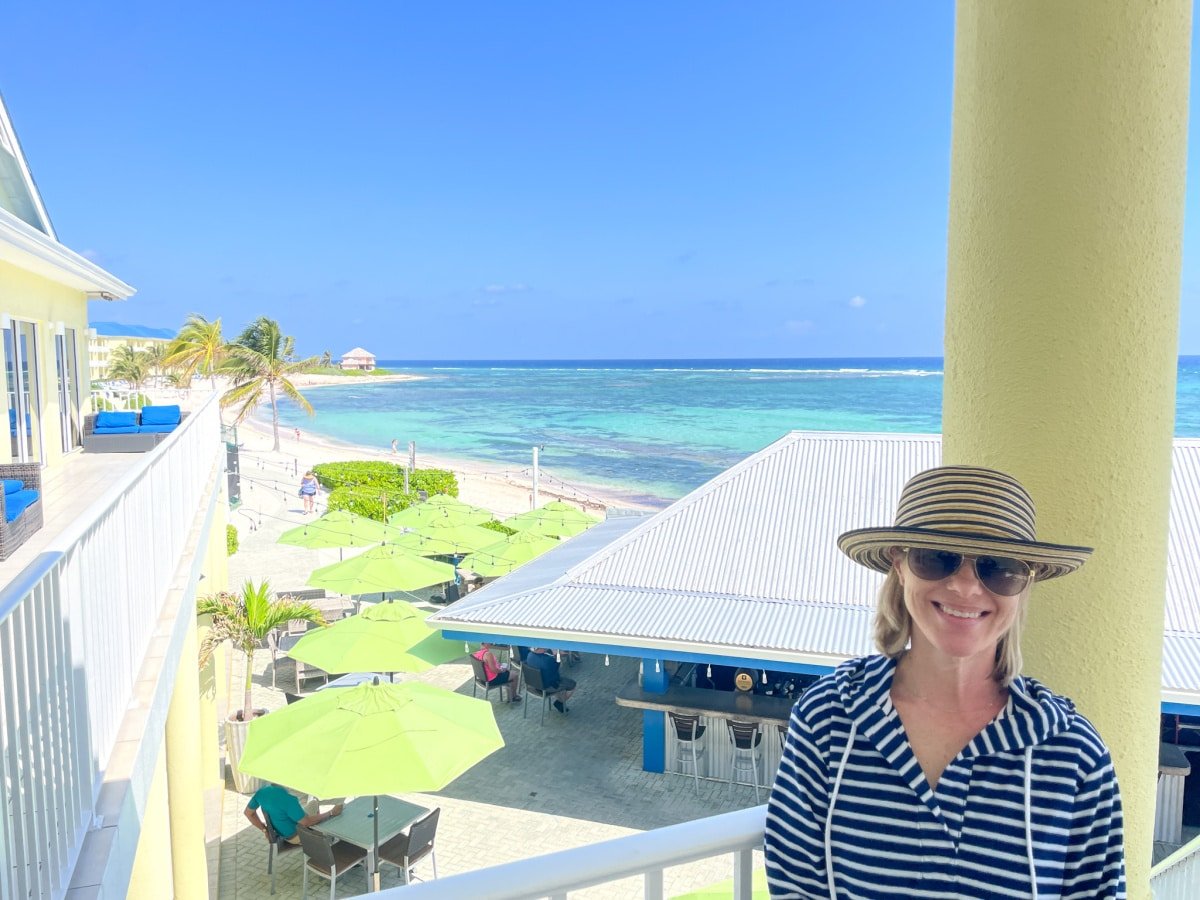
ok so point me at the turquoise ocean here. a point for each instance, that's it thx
(649, 430)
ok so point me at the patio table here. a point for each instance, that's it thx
(356, 826)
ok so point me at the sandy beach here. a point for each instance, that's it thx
(505, 493)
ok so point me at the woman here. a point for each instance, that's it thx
(936, 769)
(498, 673)
(308, 491)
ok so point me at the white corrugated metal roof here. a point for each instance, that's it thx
(747, 564)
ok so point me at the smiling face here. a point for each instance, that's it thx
(956, 618)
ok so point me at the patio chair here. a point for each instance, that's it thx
(406, 850)
(688, 746)
(532, 679)
(328, 859)
(481, 681)
(275, 846)
(745, 737)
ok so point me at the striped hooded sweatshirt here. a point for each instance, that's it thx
(1029, 808)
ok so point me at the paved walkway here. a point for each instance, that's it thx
(576, 780)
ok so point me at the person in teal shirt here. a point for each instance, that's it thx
(283, 811)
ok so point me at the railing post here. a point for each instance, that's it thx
(654, 884)
(743, 870)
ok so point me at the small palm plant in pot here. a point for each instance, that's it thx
(245, 620)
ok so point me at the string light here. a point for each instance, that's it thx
(656, 666)
(709, 673)
(605, 659)
(764, 671)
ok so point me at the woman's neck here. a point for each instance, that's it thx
(947, 684)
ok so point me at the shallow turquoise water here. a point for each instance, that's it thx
(653, 429)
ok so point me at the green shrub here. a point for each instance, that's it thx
(137, 401)
(375, 489)
(434, 481)
(103, 404)
(231, 540)
(497, 525)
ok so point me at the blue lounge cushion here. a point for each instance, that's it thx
(12, 485)
(116, 429)
(161, 415)
(15, 504)
(113, 419)
(156, 429)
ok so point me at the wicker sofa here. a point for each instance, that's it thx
(13, 534)
(135, 438)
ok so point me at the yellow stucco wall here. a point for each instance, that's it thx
(1066, 223)
(41, 301)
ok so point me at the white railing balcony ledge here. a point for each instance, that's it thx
(1178, 876)
(647, 854)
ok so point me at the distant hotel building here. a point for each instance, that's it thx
(105, 337)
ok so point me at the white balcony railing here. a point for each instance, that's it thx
(647, 854)
(75, 626)
(1178, 876)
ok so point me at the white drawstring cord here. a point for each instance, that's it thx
(837, 786)
(1029, 820)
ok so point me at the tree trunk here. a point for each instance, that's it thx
(274, 414)
(247, 701)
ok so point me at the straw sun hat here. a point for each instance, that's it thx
(964, 509)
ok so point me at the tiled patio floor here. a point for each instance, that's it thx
(575, 780)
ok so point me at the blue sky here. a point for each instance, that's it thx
(506, 180)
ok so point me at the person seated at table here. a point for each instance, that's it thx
(499, 674)
(543, 660)
(283, 810)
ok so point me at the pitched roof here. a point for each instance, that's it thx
(358, 351)
(746, 565)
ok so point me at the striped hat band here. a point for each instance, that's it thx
(966, 509)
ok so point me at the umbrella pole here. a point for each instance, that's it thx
(375, 842)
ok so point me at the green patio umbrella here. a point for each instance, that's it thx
(440, 508)
(415, 542)
(467, 538)
(372, 739)
(758, 884)
(386, 637)
(556, 519)
(503, 556)
(338, 529)
(379, 570)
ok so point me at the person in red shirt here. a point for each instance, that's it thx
(499, 673)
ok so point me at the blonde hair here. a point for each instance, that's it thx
(893, 629)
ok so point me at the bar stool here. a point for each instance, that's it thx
(745, 737)
(688, 748)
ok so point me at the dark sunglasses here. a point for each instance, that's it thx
(999, 574)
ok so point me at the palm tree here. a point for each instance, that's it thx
(326, 360)
(156, 358)
(259, 362)
(199, 347)
(245, 620)
(127, 364)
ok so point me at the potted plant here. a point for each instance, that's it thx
(245, 620)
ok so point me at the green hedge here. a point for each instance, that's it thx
(497, 525)
(231, 540)
(376, 489)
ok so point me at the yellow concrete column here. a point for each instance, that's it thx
(185, 777)
(1066, 222)
(151, 876)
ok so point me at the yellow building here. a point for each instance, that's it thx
(105, 337)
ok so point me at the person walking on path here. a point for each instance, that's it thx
(308, 491)
(395, 445)
(936, 769)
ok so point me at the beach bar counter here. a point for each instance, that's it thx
(749, 697)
